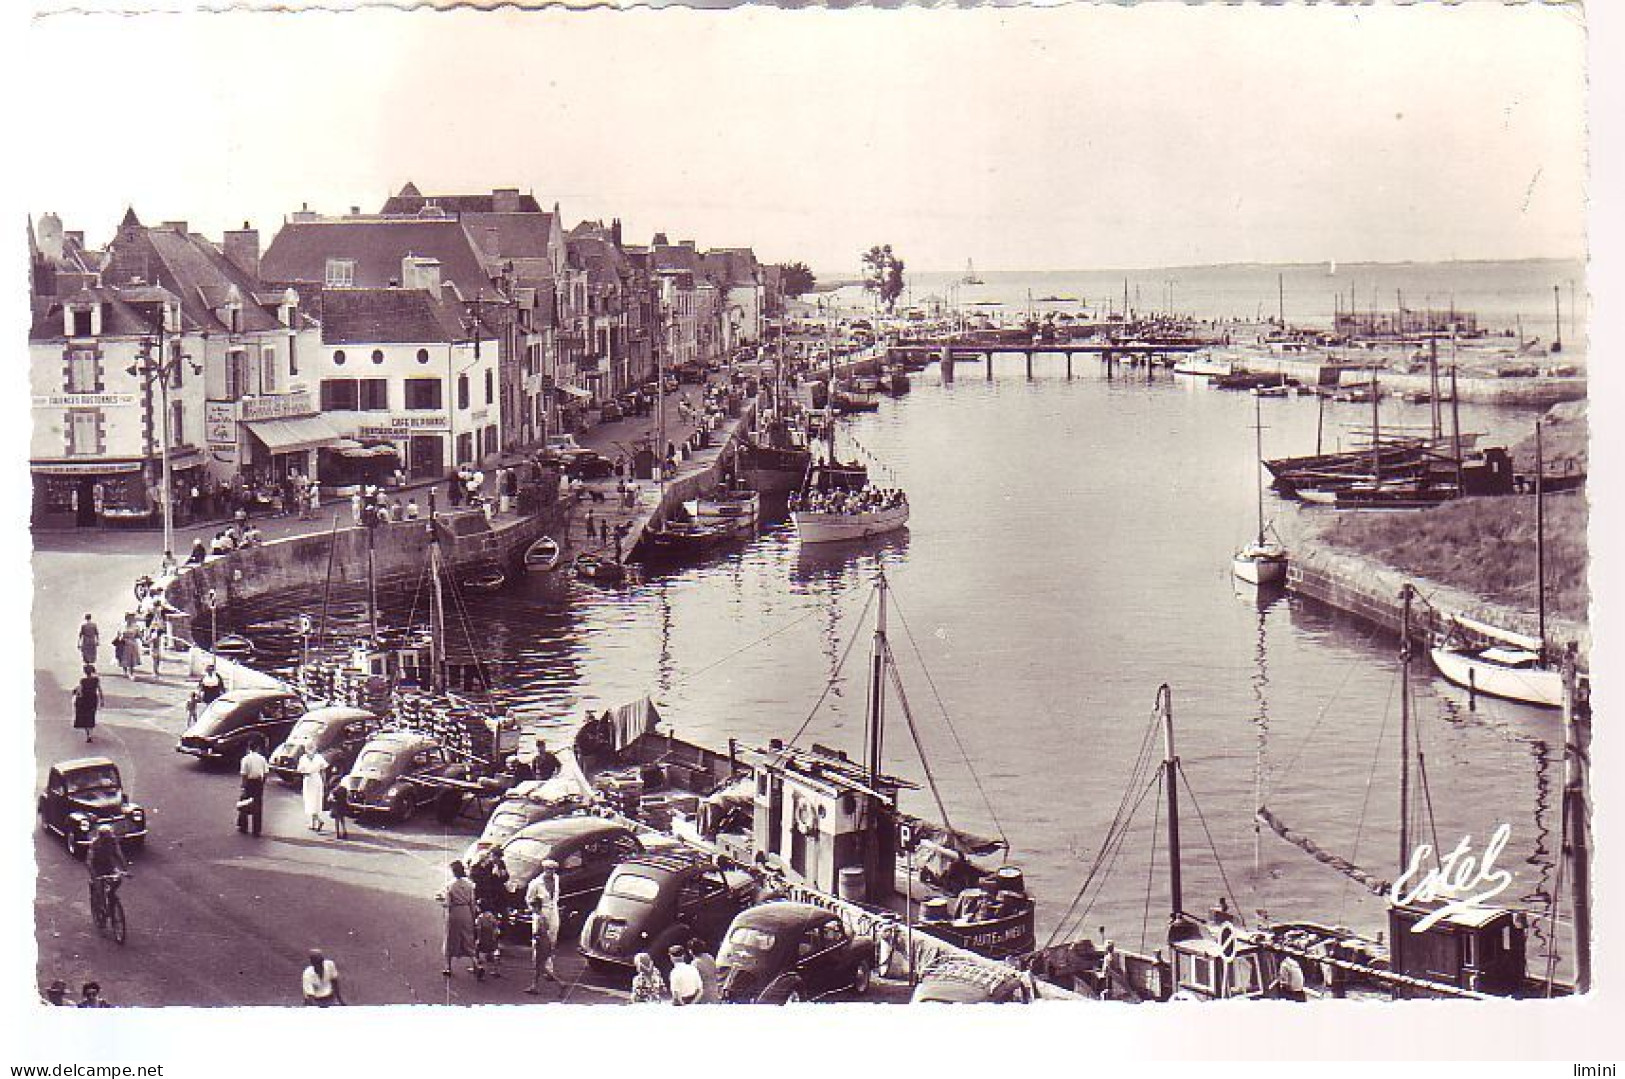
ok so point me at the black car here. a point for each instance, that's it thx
(782, 952)
(224, 729)
(587, 465)
(336, 733)
(656, 900)
(81, 795)
(586, 847)
(381, 780)
(963, 981)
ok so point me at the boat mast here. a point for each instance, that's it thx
(1540, 537)
(437, 616)
(1577, 815)
(1280, 300)
(1258, 455)
(1405, 730)
(1170, 773)
(877, 688)
(1376, 430)
(1433, 386)
(1455, 425)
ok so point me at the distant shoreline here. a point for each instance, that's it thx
(828, 283)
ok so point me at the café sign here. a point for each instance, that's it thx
(277, 406)
(399, 426)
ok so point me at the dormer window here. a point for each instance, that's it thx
(81, 322)
(340, 273)
(172, 317)
(234, 318)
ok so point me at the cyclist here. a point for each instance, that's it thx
(104, 858)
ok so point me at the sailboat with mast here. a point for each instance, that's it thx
(1515, 667)
(970, 277)
(1262, 561)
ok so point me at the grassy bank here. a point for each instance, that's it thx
(1481, 545)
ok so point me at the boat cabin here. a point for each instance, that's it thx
(820, 818)
(1478, 949)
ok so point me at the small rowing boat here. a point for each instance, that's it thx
(542, 556)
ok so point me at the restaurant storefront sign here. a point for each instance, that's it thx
(84, 400)
(277, 406)
(402, 426)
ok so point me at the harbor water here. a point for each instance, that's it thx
(1068, 552)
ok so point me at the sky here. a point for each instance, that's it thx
(1023, 139)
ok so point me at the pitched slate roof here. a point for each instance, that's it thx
(733, 265)
(191, 268)
(518, 235)
(119, 318)
(300, 251)
(410, 200)
(354, 316)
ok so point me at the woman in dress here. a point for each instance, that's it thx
(458, 899)
(87, 698)
(128, 646)
(313, 766)
(648, 987)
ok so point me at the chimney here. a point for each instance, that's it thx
(686, 243)
(660, 240)
(420, 272)
(303, 213)
(175, 226)
(242, 247)
(48, 235)
(505, 200)
(355, 211)
(615, 232)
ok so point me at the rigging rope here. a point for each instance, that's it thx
(1223, 876)
(1374, 884)
(828, 685)
(1365, 803)
(691, 675)
(914, 734)
(1151, 863)
(948, 721)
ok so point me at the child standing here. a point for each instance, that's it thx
(487, 936)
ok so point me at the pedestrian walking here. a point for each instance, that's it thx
(603, 530)
(457, 897)
(355, 508)
(251, 796)
(89, 659)
(90, 639)
(542, 900)
(313, 766)
(706, 964)
(320, 981)
(648, 987)
(490, 876)
(211, 685)
(155, 646)
(314, 498)
(338, 808)
(686, 985)
(87, 698)
(487, 937)
(127, 648)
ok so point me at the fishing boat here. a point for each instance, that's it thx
(894, 381)
(485, 580)
(833, 506)
(1515, 667)
(816, 825)
(677, 539)
(970, 277)
(1204, 364)
(598, 570)
(1263, 560)
(1409, 493)
(1278, 390)
(542, 556)
(776, 459)
(733, 512)
(845, 401)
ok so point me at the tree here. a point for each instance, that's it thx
(883, 274)
(796, 279)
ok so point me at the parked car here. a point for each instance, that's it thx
(86, 792)
(961, 981)
(563, 443)
(657, 900)
(336, 733)
(609, 411)
(380, 781)
(224, 729)
(588, 465)
(782, 952)
(586, 847)
(523, 806)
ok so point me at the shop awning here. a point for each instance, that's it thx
(295, 433)
(576, 392)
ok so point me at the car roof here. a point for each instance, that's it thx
(338, 713)
(82, 764)
(243, 696)
(672, 861)
(783, 914)
(400, 740)
(557, 829)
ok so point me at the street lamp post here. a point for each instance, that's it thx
(161, 371)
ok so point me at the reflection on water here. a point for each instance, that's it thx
(1069, 550)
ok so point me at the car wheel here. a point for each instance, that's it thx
(862, 978)
(403, 808)
(71, 843)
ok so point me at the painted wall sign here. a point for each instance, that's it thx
(220, 421)
(84, 400)
(1463, 882)
(278, 406)
(428, 423)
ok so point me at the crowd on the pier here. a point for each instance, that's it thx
(870, 499)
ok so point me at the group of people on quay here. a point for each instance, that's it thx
(870, 499)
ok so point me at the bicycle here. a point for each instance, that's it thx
(106, 908)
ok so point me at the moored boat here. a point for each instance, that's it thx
(733, 512)
(1201, 363)
(827, 526)
(1262, 561)
(542, 556)
(590, 567)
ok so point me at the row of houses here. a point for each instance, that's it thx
(438, 331)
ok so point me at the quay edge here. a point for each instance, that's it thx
(1370, 590)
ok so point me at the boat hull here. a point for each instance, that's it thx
(1540, 686)
(818, 527)
(1260, 568)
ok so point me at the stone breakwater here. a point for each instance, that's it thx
(1370, 590)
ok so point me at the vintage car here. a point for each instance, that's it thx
(86, 792)
(782, 952)
(656, 900)
(336, 733)
(586, 847)
(523, 806)
(383, 779)
(963, 981)
(224, 729)
(587, 465)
